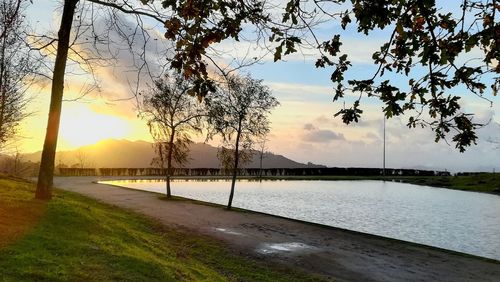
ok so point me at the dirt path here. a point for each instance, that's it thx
(342, 255)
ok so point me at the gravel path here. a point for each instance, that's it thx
(331, 252)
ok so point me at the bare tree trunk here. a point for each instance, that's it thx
(3, 88)
(169, 162)
(46, 173)
(17, 162)
(260, 163)
(235, 168)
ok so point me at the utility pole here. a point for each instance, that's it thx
(383, 158)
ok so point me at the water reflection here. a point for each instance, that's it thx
(198, 179)
(457, 220)
(268, 248)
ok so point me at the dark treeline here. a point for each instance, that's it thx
(332, 171)
(472, 173)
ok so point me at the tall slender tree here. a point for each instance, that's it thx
(17, 67)
(262, 146)
(238, 112)
(172, 116)
(46, 171)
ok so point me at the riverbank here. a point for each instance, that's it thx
(481, 182)
(73, 237)
(330, 252)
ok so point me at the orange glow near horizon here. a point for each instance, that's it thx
(82, 126)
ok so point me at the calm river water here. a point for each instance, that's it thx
(463, 221)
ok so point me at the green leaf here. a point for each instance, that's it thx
(277, 53)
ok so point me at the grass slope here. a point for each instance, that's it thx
(78, 239)
(483, 182)
(18, 211)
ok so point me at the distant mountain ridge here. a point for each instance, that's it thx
(113, 153)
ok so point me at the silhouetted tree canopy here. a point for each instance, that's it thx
(172, 117)
(238, 112)
(439, 52)
(17, 68)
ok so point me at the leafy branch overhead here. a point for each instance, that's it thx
(434, 51)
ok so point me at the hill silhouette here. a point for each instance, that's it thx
(113, 153)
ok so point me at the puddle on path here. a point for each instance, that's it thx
(228, 231)
(269, 248)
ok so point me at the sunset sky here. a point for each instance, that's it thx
(303, 126)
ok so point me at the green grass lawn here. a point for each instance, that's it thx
(74, 238)
(484, 182)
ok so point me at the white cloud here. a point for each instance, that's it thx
(361, 146)
(316, 135)
(358, 50)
